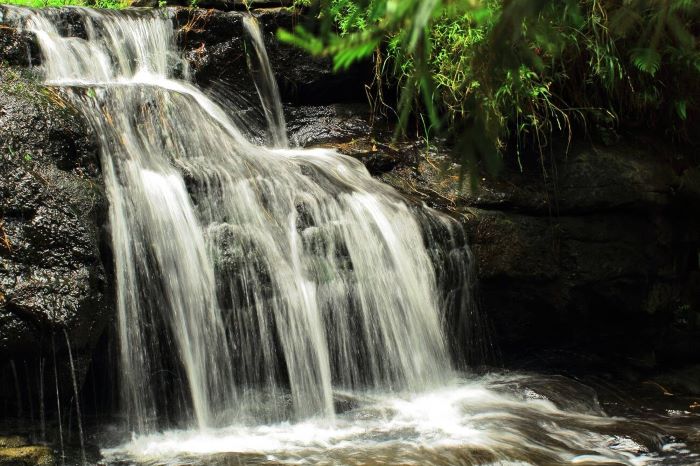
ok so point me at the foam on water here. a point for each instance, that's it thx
(468, 421)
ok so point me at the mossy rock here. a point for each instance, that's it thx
(33, 455)
(13, 441)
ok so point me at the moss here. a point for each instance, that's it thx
(31, 455)
(19, 82)
(13, 441)
(26, 84)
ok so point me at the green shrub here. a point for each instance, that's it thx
(505, 76)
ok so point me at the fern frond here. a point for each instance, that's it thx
(647, 60)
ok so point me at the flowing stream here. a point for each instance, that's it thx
(279, 304)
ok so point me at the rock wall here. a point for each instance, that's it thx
(52, 208)
(214, 43)
(597, 259)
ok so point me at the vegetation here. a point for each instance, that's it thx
(505, 76)
(499, 77)
(110, 4)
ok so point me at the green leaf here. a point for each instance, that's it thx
(302, 39)
(352, 53)
(647, 60)
(681, 107)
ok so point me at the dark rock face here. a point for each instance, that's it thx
(19, 48)
(214, 43)
(51, 206)
(600, 259)
(16, 47)
(16, 450)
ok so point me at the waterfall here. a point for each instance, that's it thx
(246, 276)
(266, 85)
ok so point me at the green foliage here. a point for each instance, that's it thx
(109, 4)
(502, 76)
(647, 60)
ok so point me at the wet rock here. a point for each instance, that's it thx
(682, 381)
(243, 4)
(225, 5)
(16, 47)
(16, 450)
(145, 3)
(599, 252)
(324, 124)
(601, 258)
(13, 441)
(19, 47)
(628, 177)
(34, 455)
(51, 205)
(588, 179)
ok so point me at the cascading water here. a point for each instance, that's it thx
(264, 268)
(260, 287)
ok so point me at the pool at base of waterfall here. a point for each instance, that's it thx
(504, 419)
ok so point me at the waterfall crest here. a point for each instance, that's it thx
(244, 273)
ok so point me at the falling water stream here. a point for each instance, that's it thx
(76, 399)
(281, 305)
(266, 85)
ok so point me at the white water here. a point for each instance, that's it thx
(258, 289)
(241, 270)
(266, 85)
(493, 420)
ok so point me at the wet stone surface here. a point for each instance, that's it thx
(51, 211)
(597, 263)
(214, 44)
(600, 260)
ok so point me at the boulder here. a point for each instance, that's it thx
(53, 286)
(17, 47)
